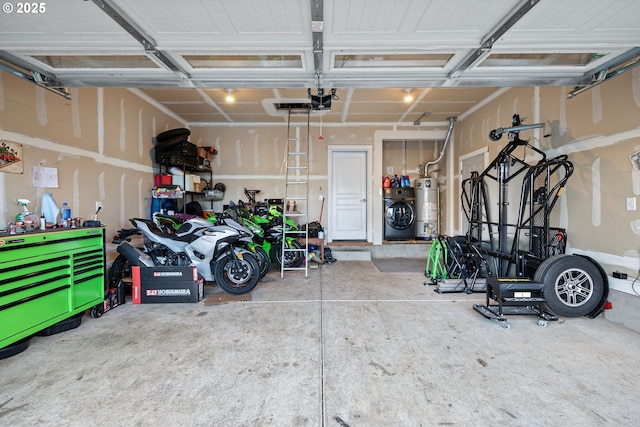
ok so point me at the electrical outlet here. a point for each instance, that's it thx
(98, 206)
(321, 197)
(631, 203)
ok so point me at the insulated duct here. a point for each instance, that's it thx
(452, 120)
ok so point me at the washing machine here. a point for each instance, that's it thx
(399, 213)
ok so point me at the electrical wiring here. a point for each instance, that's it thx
(633, 284)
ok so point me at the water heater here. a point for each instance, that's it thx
(427, 208)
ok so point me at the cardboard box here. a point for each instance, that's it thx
(166, 285)
(202, 152)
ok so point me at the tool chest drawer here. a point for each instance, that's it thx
(47, 277)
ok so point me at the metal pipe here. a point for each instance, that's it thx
(30, 78)
(452, 120)
(418, 121)
(499, 131)
(15, 72)
(503, 210)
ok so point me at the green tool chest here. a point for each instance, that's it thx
(47, 277)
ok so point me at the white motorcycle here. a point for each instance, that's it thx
(210, 248)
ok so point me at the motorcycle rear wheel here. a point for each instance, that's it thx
(121, 270)
(237, 276)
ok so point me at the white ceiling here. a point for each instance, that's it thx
(451, 53)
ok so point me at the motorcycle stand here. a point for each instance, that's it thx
(514, 296)
(114, 296)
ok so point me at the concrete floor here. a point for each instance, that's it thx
(348, 346)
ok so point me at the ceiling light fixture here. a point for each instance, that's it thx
(408, 97)
(230, 98)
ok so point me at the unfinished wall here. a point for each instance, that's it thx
(598, 130)
(253, 158)
(99, 141)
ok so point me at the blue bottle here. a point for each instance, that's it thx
(66, 211)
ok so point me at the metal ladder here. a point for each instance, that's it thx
(296, 190)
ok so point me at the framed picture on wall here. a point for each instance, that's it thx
(10, 157)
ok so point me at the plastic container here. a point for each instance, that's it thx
(49, 208)
(163, 180)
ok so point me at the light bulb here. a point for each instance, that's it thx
(408, 97)
(230, 97)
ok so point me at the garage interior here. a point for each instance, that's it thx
(86, 87)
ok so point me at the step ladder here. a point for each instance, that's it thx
(296, 189)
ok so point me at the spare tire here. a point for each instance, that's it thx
(573, 285)
(172, 133)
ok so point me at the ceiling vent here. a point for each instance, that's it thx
(295, 107)
(279, 107)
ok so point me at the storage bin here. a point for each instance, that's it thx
(214, 195)
(163, 180)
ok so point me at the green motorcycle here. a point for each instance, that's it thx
(268, 233)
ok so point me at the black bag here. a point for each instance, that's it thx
(313, 228)
(194, 208)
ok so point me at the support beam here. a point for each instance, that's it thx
(22, 69)
(150, 46)
(488, 40)
(317, 29)
(618, 65)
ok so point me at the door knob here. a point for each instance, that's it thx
(363, 200)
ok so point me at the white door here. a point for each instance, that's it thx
(470, 163)
(348, 195)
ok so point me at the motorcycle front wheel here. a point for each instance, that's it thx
(237, 275)
(263, 260)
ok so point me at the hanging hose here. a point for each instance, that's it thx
(452, 120)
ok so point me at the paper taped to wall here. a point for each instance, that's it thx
(44, 177)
